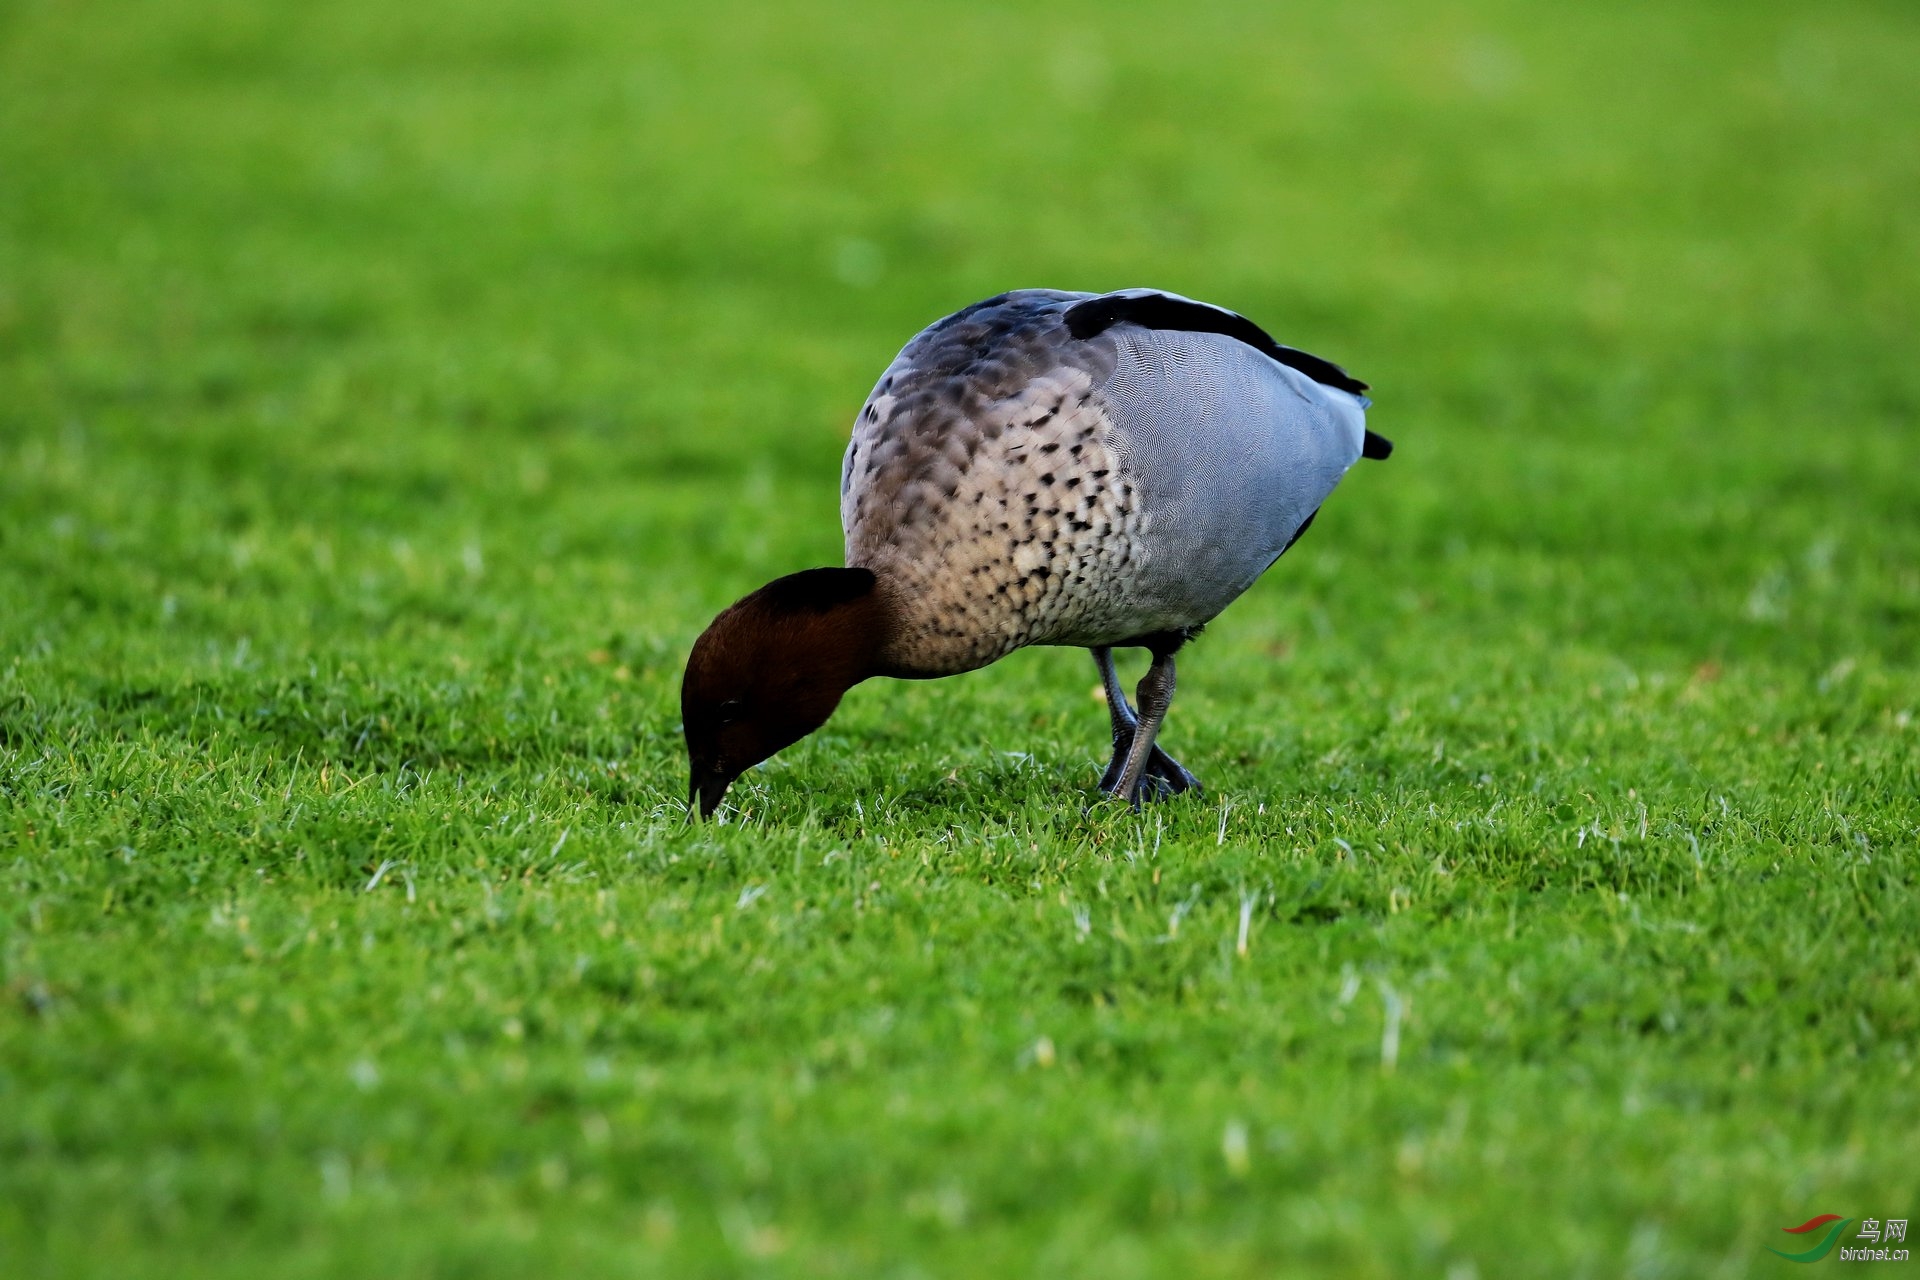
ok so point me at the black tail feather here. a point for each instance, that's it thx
(1376, 445)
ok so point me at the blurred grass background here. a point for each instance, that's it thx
(388, 395)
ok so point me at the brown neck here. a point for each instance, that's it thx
(836, 622)
(848, 638)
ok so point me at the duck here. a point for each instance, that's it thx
(1044, 467)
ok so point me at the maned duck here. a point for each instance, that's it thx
(1040, 468)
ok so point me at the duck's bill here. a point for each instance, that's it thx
(706, 788)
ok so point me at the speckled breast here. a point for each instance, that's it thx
(983, 487)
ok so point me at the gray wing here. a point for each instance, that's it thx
(1233, 453)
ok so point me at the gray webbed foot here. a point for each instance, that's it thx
(1163, 777)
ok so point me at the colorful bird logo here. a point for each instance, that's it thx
(1821, 1249)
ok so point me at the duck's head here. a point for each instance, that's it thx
(771, 669)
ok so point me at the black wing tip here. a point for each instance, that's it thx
(1092, 318)
(1158, 311)
(1375, 445)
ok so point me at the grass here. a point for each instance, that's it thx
(389, 394)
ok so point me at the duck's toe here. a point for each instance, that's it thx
(1172, 773)
(1163, 778)
(1122, 744)
(1152, 789)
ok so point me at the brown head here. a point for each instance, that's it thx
(771, 669)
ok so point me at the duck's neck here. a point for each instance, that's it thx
(841, 619)
(933, 625)
(894, 622)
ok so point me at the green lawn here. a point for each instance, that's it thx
(389, 393)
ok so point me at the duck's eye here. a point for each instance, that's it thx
(729, 711)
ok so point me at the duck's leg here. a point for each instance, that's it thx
(1119, 715)
(1167, 775)
(1148, 772)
